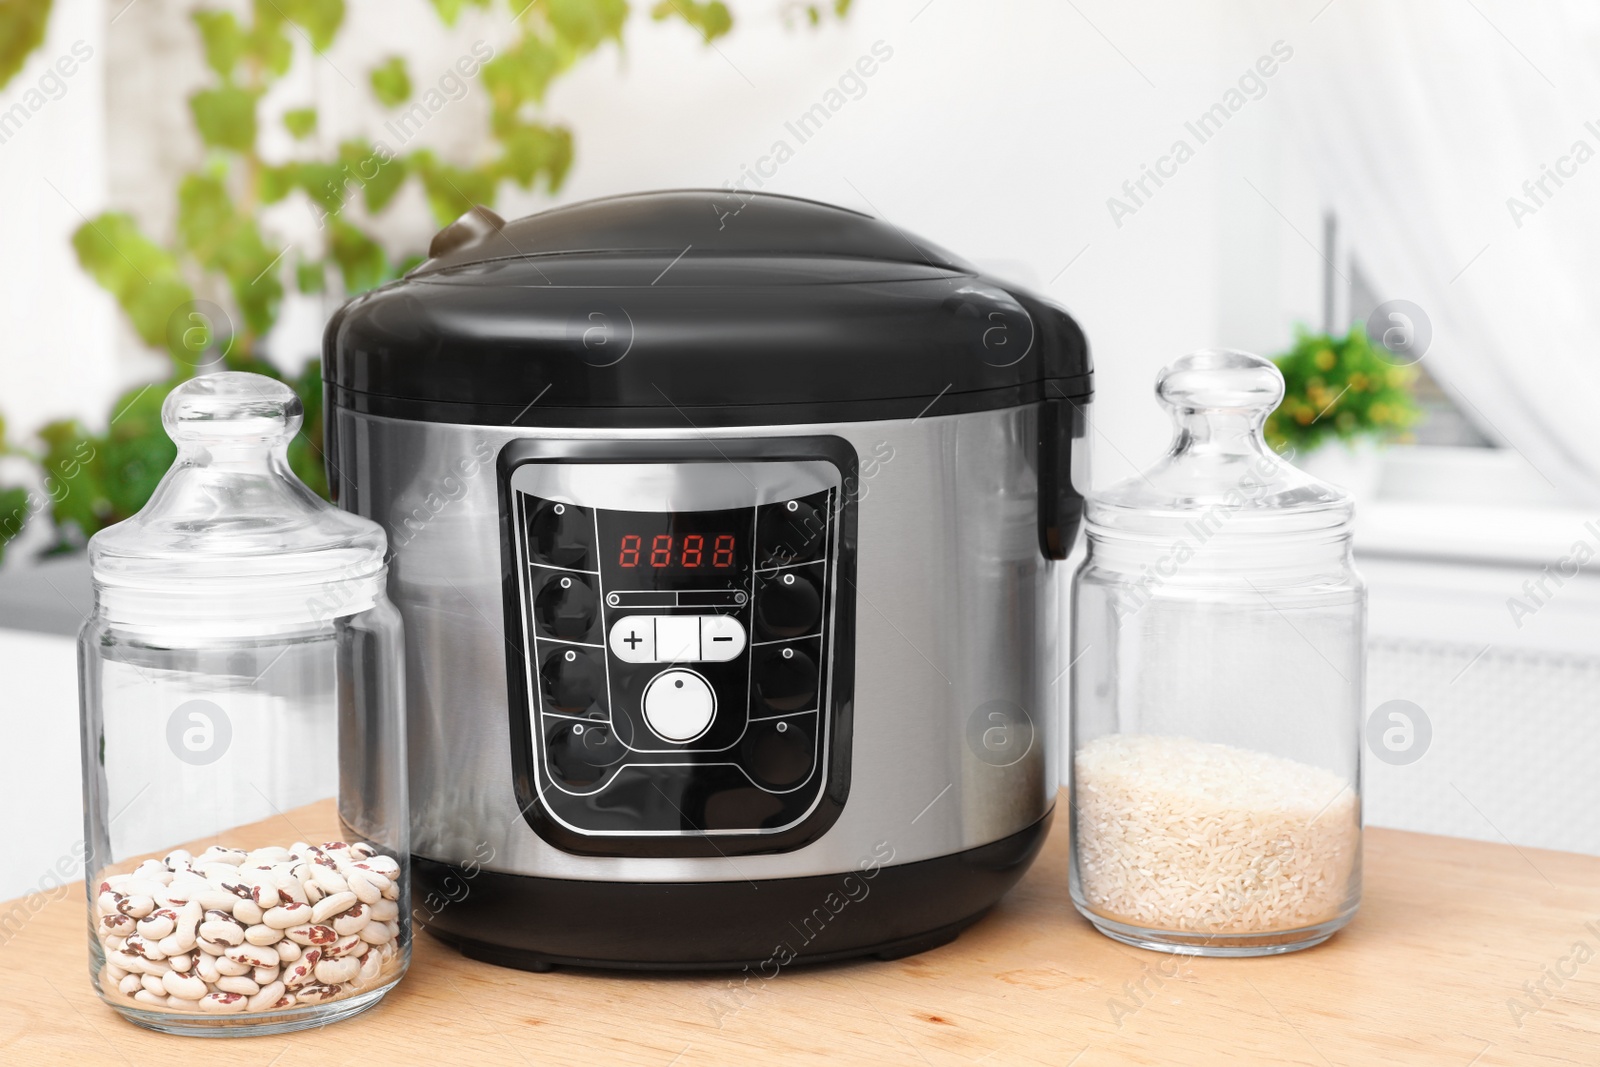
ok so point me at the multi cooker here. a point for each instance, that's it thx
(727, 531)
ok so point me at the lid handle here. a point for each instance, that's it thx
(1221, 381)
(232, 407)
(474, 225)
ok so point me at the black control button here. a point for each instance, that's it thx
(786, 680)
(790, 532)
(581, 753)
(743, 807)
(779, 753)
(788, 604)
(562, 535)
(573, 680)
(566, 607)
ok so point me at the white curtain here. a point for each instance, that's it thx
(1423, 119)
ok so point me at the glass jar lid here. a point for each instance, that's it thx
(1219, 474)
(231, 541)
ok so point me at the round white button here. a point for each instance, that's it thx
(679, 705)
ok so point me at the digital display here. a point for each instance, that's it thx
(688, 552)
(676, 549)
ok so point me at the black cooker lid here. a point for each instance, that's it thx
(694, 307)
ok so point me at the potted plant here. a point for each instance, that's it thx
(1341, 389)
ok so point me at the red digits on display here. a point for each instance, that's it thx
(691, 553)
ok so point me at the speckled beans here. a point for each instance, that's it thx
(233, 932)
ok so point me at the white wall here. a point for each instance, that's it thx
(41, 782)
(56, 355)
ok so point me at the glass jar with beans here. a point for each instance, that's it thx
(243, 738)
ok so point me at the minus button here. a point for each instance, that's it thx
(721, 638)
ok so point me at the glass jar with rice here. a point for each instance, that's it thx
(1219, 657)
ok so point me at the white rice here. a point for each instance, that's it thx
(1178, 834)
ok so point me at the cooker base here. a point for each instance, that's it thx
(537, 924)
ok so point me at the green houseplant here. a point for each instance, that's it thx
(209, 294)
(1340, 388)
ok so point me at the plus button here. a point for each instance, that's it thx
(633, 639)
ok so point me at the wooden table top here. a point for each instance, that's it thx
(1464, 953)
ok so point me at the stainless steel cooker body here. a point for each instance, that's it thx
(951, 735)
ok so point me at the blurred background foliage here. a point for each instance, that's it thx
(208, 294)
(22, 25)
(1340, 387)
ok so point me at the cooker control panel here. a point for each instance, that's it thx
(682, 681)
